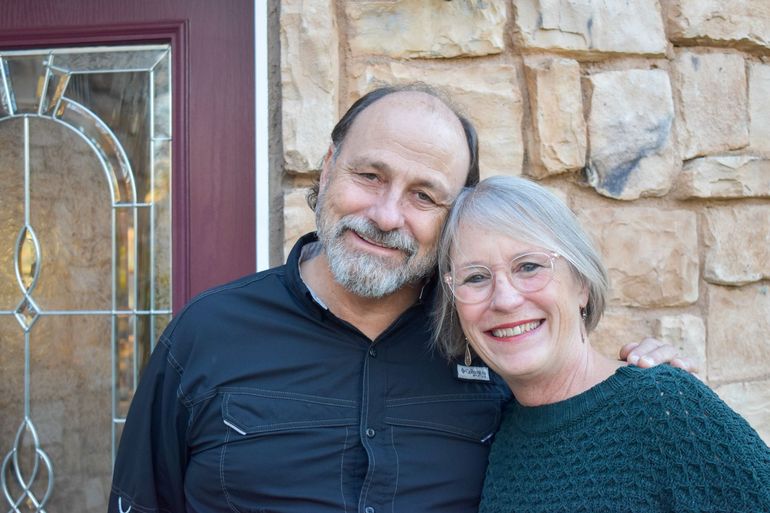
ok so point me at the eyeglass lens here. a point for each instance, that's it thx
(527, 273)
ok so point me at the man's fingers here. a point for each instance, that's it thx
(687, 364)
(626, 350)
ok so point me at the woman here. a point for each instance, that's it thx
(523, 288)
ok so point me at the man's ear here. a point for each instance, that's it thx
(326, 166)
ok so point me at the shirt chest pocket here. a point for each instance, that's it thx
(475, 417)
(259, 412)
(273, 440)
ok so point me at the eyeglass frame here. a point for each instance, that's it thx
(552, 256)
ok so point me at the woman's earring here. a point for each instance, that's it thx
(468, 357)
(584, 316)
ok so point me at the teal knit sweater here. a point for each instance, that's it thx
(644, 440)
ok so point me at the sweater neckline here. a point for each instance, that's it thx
(554, 416)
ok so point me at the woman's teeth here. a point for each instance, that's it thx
(516, 330)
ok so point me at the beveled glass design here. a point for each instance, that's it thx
(85, 261)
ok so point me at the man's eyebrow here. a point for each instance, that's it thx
(374, 164)
(378, 165)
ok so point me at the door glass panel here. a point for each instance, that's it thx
(85, 261)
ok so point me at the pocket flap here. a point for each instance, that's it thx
(474, 416)
(256, 411)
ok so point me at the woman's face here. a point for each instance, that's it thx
(520, 335)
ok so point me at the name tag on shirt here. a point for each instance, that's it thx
(468, 373)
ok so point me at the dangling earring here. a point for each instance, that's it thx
(584, 316)
(468, 357)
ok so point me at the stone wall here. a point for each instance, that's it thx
(650, 117)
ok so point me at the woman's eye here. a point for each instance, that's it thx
(368, 176)
(527, 267)
(474, 278)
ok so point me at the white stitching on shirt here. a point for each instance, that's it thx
(120, 506)
(342, 470)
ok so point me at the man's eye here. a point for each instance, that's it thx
(424, 197)
(368, 176)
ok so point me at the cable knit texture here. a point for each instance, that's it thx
(644, 440)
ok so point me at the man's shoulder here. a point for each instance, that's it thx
(262, 284)
(248, 294)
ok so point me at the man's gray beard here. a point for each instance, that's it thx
(369, 275)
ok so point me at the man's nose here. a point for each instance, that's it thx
(388, 212)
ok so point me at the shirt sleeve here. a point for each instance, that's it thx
(717, 460)
(152, 455)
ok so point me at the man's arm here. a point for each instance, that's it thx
(651, 352)
(152, 456)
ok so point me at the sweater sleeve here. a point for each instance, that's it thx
(716, 461)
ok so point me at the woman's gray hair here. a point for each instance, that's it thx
(523, 210)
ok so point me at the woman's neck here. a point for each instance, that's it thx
(585, 370)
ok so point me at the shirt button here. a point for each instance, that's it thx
(370, 433)
(369, 509)
(372, 352)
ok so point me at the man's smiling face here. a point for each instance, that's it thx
(385, 193)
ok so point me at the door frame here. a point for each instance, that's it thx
(191, 267)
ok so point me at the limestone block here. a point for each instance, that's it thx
(298, 219)
(759, 107)
(738, 324)
(752, 401)
(713, 108)
(556, 104)
(487, 93)
(632, 26)
(738, 22)
(651, 254)
(420, 28)
(687, 333)
(630, 131)
(725, 176)
(737, 241)
(309, 76)
(618, 327)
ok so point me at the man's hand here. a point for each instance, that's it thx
(651, 352)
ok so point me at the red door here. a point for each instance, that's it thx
(62, 368)
(213, 155)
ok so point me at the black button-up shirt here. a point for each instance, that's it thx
(258, 399)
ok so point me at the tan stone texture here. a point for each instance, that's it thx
(630, 133)
(426, 28)
(737, 241)
(298, 219)
(632, 26)
(687, 333)
(725, 176)
(618, 327)
(309, 81)
(752, 401)
(487, 93)
(759, 106)
(719, 21)
(738, 326)
(651, 254)
(713, 103)
(556, 105)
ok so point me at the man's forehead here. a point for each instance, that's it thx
(400, 102)
(411, 121)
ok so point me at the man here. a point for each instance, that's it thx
(311, 387)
